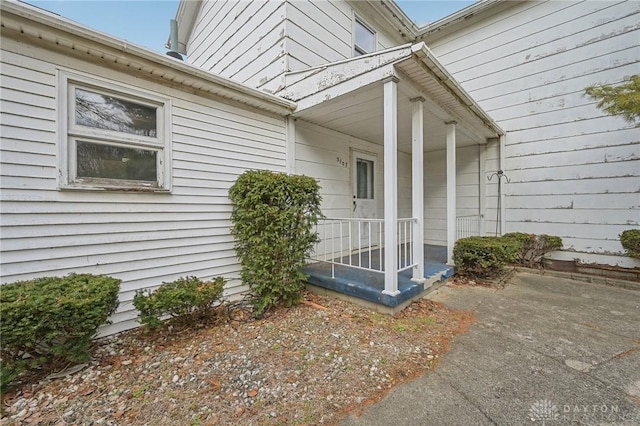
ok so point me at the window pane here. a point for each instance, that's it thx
(364, 38)
(106, 112)
(364, 176)
(115, 162)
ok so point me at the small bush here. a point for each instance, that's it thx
(183, 298)
(273, 219)
(49, 322)
(533, 247)
(630, 240)
(484, 256)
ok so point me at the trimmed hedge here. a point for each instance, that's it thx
(49, 322)
(484, 257)
(273, 216)
(533, 247)
(630, 240)
(183, 298)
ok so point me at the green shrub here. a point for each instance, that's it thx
(630, 240)
(183, 298)
(484, 256)
(49, 322)
(273, 220)
(533, 247)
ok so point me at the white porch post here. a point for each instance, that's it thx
(390, 186)
(451, 189)
(482, 207)
(417, 185)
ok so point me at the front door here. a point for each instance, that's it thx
(364, 234)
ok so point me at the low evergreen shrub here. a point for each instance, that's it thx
(49, 322)
(273, 216)
(484, 257)
(185, 299)
(630, 240)
(533, 247)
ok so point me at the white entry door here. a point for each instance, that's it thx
(363, 167)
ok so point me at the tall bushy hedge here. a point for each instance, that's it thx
(273, 222)
(630, 240)
(533, 247)
(49, 322)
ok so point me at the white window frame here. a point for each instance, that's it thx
(70, 133)
(359, 49)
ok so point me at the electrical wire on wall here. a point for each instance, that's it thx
(499, 174)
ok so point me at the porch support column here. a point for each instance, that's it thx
(451, 189)
(482, 179)
(417, 185)
(390, 186)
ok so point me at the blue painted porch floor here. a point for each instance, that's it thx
(368, 285)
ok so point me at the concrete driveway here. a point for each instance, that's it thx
(546, 350)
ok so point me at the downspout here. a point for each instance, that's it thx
(501, 195)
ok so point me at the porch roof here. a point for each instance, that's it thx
(347, 96)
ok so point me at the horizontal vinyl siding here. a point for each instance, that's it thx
(240, 40)
(575, 171)
(467, 190)
(141, 238)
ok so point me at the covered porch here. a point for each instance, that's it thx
(371, 129)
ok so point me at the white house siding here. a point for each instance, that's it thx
(141, 238)
(574, 171)
(318, 151)
(467, 190)
(241, 40)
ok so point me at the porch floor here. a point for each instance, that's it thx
(368, 285)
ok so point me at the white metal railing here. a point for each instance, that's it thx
(357, 243)
(467, 226)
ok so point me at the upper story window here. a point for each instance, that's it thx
(112, 138)
(364, 38)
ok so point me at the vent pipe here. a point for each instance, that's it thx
(173, 41)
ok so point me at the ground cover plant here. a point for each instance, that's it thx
(48, 323)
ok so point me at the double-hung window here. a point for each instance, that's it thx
(364, 39)
(113, 138)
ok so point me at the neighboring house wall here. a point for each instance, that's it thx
(141, 238)
(574, 170)
(256, 42)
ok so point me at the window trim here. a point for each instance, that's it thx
(358, 50)
(69, 132)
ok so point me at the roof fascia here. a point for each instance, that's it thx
(186, 17)
(48, 27)
(424, 54)
(456, 17)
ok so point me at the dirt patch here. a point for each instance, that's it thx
(311, 364)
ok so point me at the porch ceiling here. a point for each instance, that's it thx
(360, 114)
(347, 96)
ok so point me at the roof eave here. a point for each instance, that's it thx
(423, 53)
(21, 17)
(456, 17)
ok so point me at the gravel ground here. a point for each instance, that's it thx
(310, 364)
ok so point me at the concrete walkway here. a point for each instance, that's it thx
(545, 350)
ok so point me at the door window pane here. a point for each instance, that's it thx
(364, 176)
(110, 113)
(115, 162)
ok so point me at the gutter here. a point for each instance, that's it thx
(28, 15)
(422, 52)
(456, 17)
